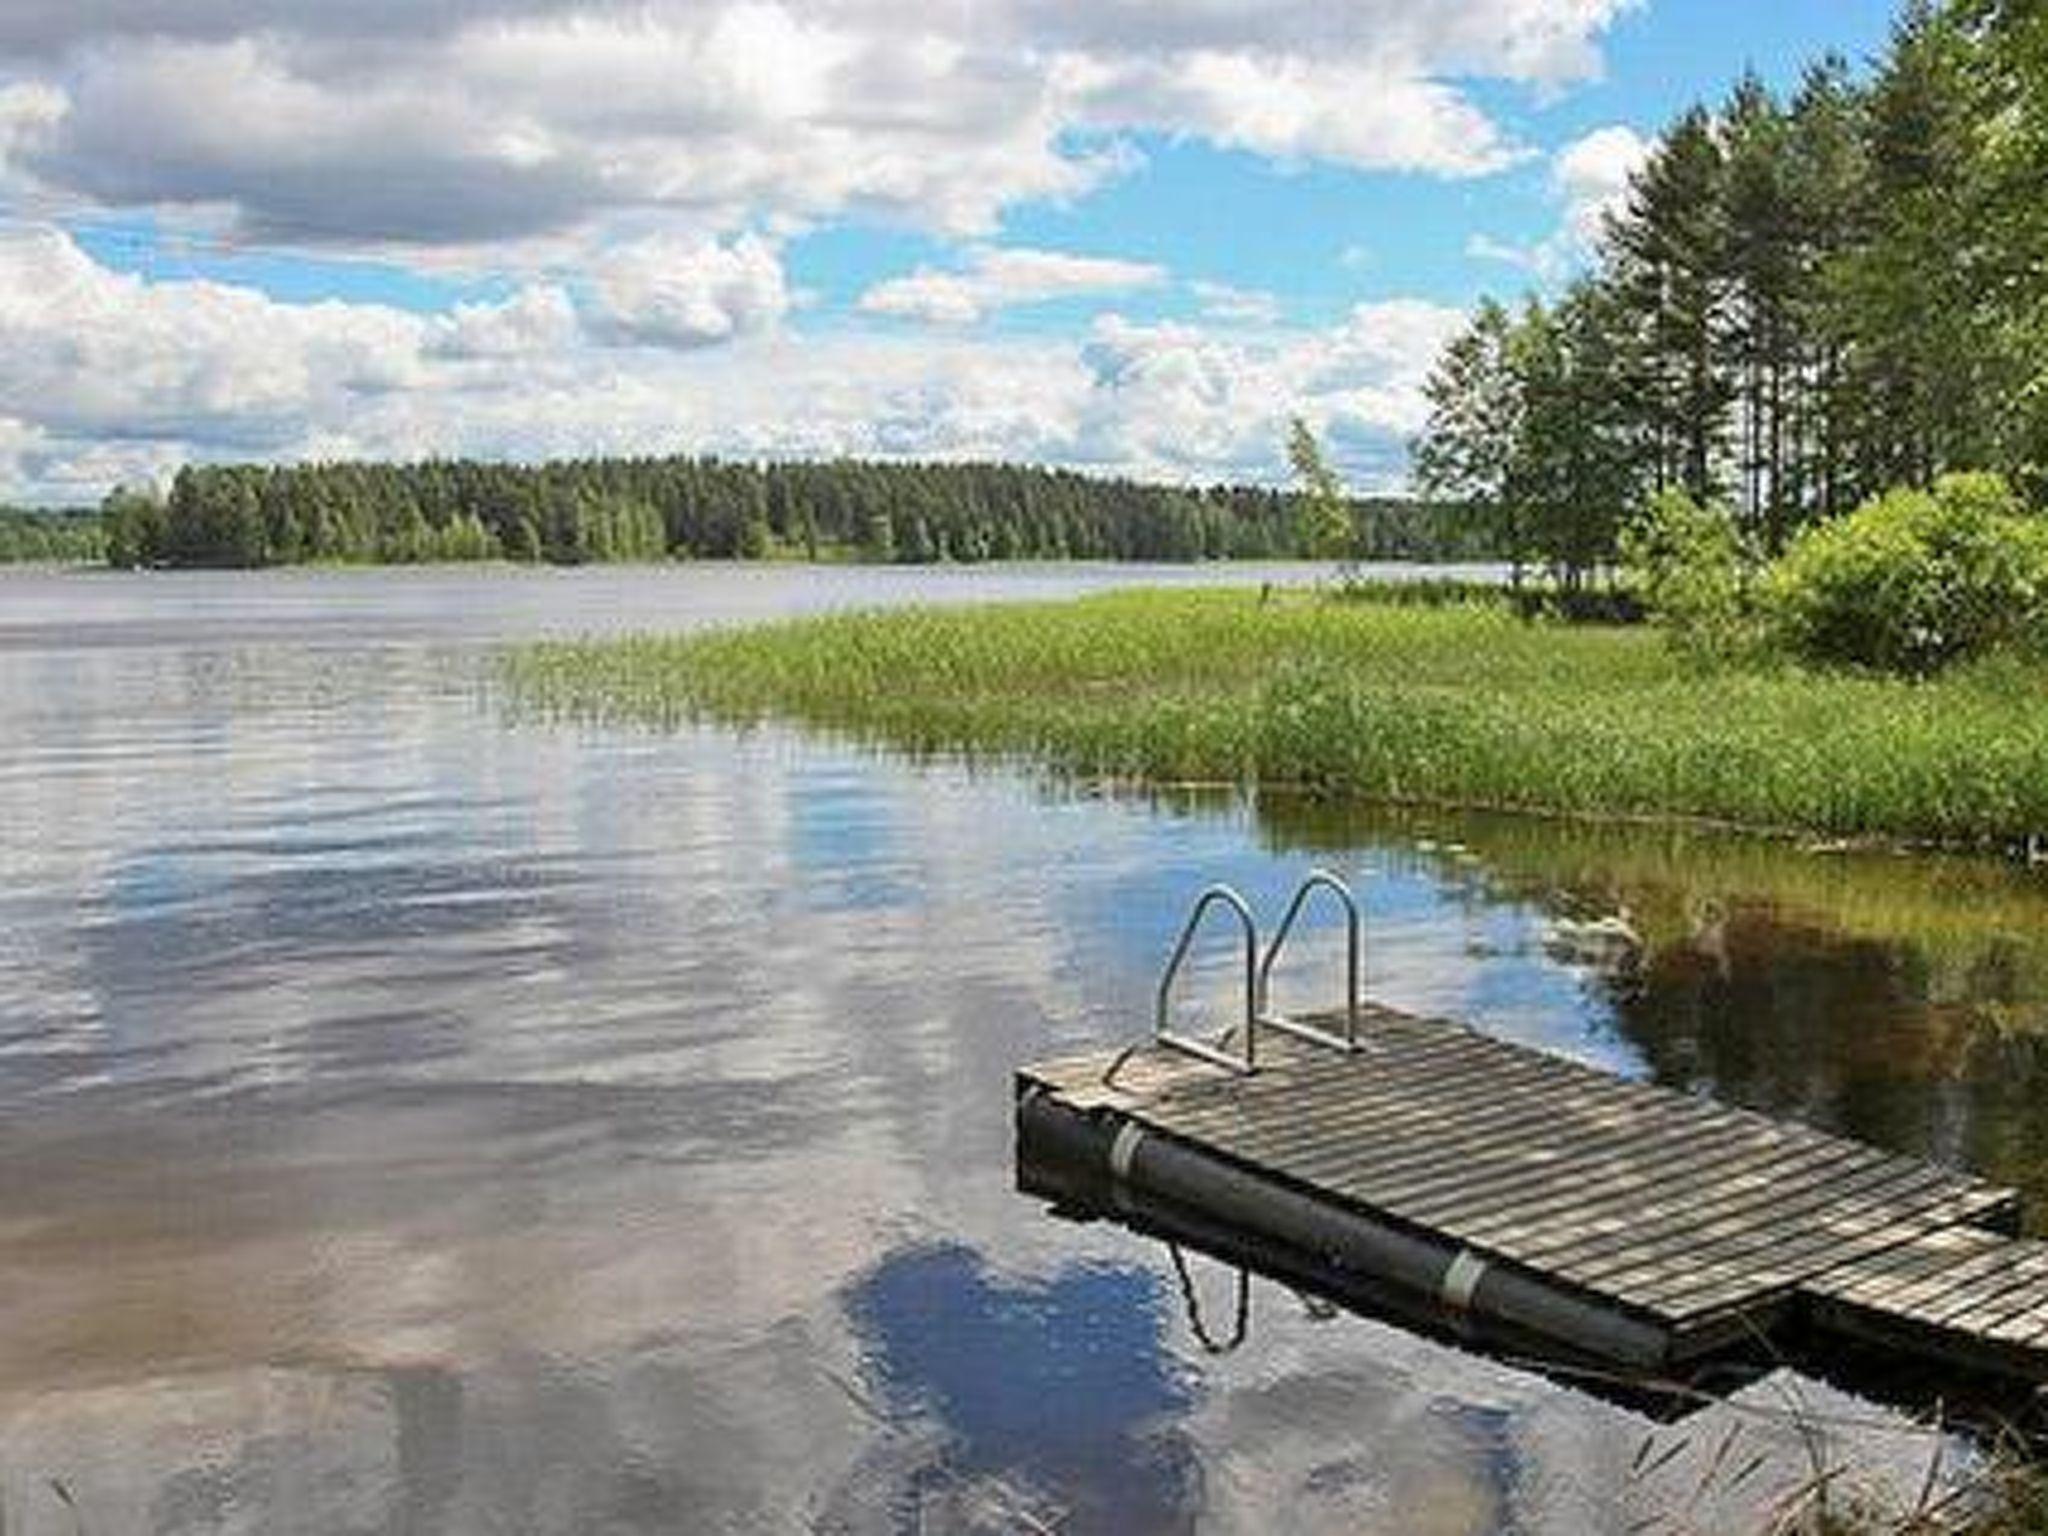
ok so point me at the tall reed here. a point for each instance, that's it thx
(1460, 704)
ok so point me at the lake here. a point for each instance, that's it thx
(417, 1115)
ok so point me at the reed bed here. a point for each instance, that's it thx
(1463, 704)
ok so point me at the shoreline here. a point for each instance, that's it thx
(1455, 707)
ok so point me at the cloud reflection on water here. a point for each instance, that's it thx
(420, 1119)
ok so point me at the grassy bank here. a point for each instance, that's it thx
(1456, 705)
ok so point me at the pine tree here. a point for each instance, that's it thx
(1920, 352)
(1826, 192)
(1669, 249)
(1763, 275)
(2009, 60)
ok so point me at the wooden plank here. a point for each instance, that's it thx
(1465, 1062)
(2003, 1288)
(1774, 1257)
(1764, 1206)
(1455, 1192)
(1642, 1210)
(2028, 1291)
(2028, 1330)
(1545, 1162)
(1922, 1295)
(1878, 1281)
(1487, 1237)
(1829, 1240)
(1535, 1162)
(1270, 1108)
(1870, 1280)
(1387, 1140)
(1526, 1140)
(1635, 1169)
(1441, 1079)
(1377, 1145)
(1565, 1132)
(1328, 1110)
(1661, 1267)
(1917, 1297)
(1562, 1132)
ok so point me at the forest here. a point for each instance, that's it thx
(1809, 299)
(70, 538)
(572, 512)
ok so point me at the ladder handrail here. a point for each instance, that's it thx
(1202, 1048)
(1193, 1301)
(1317, 879)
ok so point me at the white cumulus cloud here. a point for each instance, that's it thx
(1360, 114)
(467, 124)
(630, 176)
(106, 376)
(1233, 305)
(89, 352)
(680, 292)
(1186, 402)
(1591, 176)
(1589, 180)
(539, 318)
(997, 277)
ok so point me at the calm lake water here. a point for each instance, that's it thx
(420, 1117)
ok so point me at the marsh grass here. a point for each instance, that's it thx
(1462, 704)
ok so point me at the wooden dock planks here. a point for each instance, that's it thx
(1958, 1290)
(1657, 1204)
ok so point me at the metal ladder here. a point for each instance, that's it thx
(1318, 879)
(1188, 1044)
(1258, 973)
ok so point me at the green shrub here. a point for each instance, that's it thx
(1693, 572)
(1914, 580)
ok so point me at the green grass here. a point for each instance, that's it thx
(1464, 704)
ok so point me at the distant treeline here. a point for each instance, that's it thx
(72, 537)
(583, 510)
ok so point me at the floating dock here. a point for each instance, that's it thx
(1647, 1229)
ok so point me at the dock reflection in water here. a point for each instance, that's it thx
(1898, 999)
(415, 1117)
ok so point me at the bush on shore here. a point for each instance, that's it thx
(1694, 573)
(1914, 580)
(1909, 583)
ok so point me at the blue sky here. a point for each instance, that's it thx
(1325, 236)
(1125, 236)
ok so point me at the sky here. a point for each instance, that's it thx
(1126, 236)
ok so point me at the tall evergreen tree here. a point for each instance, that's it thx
(1668, 249)
(1801, 303)
(1763, 268)
(1918, 350)
(1826, 183)
(2009, 57)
